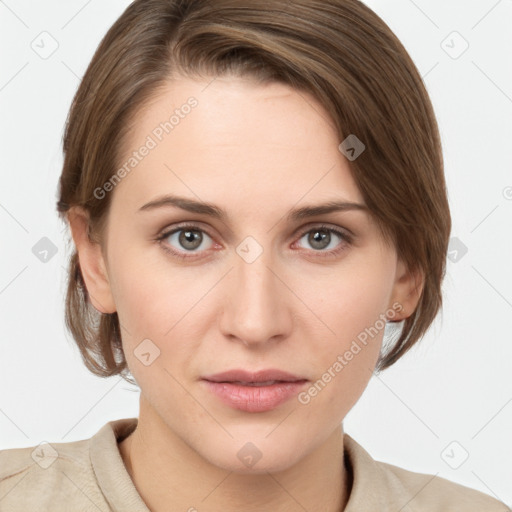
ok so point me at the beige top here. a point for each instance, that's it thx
(89, 476)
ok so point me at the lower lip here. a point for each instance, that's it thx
(255, 398)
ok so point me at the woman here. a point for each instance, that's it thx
(255, 190)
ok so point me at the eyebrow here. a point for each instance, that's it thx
(216, 212)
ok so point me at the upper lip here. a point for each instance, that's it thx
(256, 376)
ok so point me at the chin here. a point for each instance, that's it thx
(256, 457)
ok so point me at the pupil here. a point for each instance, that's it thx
(190, 238)
(320, 236)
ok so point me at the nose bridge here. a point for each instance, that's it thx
(255, 310)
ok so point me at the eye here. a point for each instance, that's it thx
(185, 239)
(320, 238)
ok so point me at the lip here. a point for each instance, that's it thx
(257, 391)
(256, 376)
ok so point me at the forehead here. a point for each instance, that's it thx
(233, 142)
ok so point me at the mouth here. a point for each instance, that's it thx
(257, 377)
(254, 384)
(259, 391)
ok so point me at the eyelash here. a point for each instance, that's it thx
(346, 239)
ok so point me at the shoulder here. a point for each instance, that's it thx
(432, 493)
(386, 487)
(49, 476)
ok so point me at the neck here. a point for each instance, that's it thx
(170, 475)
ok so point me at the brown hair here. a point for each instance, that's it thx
(339, 51)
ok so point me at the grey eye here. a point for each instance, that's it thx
(187, 239)
(320, 238)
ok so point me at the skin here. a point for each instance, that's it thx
(257, 151)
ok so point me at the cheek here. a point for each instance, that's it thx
(150, 295)
(158, 303)
(353, 304)
(353, 308)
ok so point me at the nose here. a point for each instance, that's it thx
(258, 302)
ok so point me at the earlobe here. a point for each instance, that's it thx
(92, 262)
(407, 290)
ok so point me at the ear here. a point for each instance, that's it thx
(91, 260)
(406, 291)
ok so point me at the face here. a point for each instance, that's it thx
(254, 288)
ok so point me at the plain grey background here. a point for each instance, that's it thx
(444, 409)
